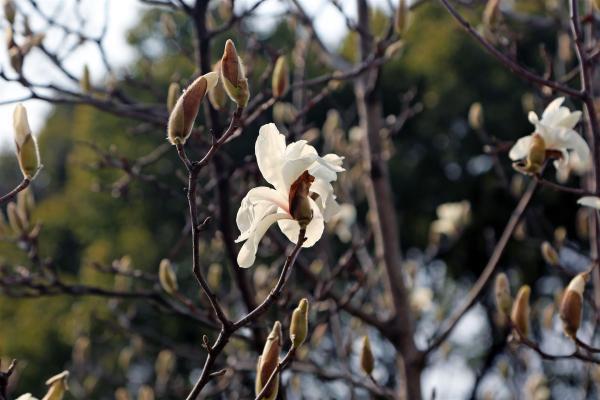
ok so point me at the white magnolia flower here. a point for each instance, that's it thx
(556, 130)
(452, 218)
(590, 201)
(282, 166)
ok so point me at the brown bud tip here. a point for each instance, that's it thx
(571, 305)
(233, 75)
(280, 79)
(520, 311)
(367, 361)
(502, 294)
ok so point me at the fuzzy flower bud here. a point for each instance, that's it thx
(172, 95)
(217, 96)
(181, 120)
(550, 254)
(267, 363)
(520, 311)
(58, 386)
(299, 324)
(476, 116)
(167, 277)
(367, 361)
(10, 11)
(85, 82)
(491, 13)
(571, 306)
(401, 17)
(502, 294)
(298, 199)
(280, 79)
(537, 154)
(27, 148)
(234, 76)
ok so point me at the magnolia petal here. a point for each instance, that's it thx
(298, 158)
(590, 201)
(257, 203)
(314, 230)
(533, 118)
(326, 199)
(326, 168)
(552, 107)
(571, 120)
(571, 140)
(521, 148)
(247, 254)
(269, 148)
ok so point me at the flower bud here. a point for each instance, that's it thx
(15, 220)
(299, 202)
(491, 13)
(16, 59)
(181, 120)
(299, 324)
(10, 11)
(9, 37)
(121, 394)
(280, 79)
(520, 310)
(172, 95)
(401, 18)
(267, 364)
(167, 277)
(571, 306)
(367, 361)
(550, 254)
(234, 76)
(502, 294)
(85, 83)
(476, 116)
(58, 386)
(27, 149)
(145, 392)
(217, 96)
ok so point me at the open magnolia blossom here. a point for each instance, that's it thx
(553, 136)
(301, 194)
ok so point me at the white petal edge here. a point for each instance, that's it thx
(590, 201)
(314, 230)
(247, 254)
(269, 149)
(520, 149)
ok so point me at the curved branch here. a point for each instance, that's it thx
(22, 186)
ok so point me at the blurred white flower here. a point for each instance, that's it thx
(590, 201)
(421, 299)
(557, 134)
(285, 167)
(342, 222)
(452, 218)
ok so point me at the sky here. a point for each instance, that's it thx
(453, 375)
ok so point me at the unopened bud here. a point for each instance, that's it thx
(299, 202)
(145, 392)
(281, 79)
(181, 120)
(401, 18)
(550, 254)
(299, 324)
(520, 311)
(85, 82)
(571, 306)
(217, 96)
(16, 222)
(9, 37)
(10, 11)
(27, 148)
(167, 277)
(537, 154)
(502, 294)
(173, 95)
(367, 361)
(476, 116)
(16, 59)
(58, 386)
(121, 394)
(491, 13)
(234, 76)
(164, 364)
(267, 364)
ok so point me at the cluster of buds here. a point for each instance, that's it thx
(17, 53)
(233, 75)
(268, 362)
(571, 305)
(26, 145)
(167, 277)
